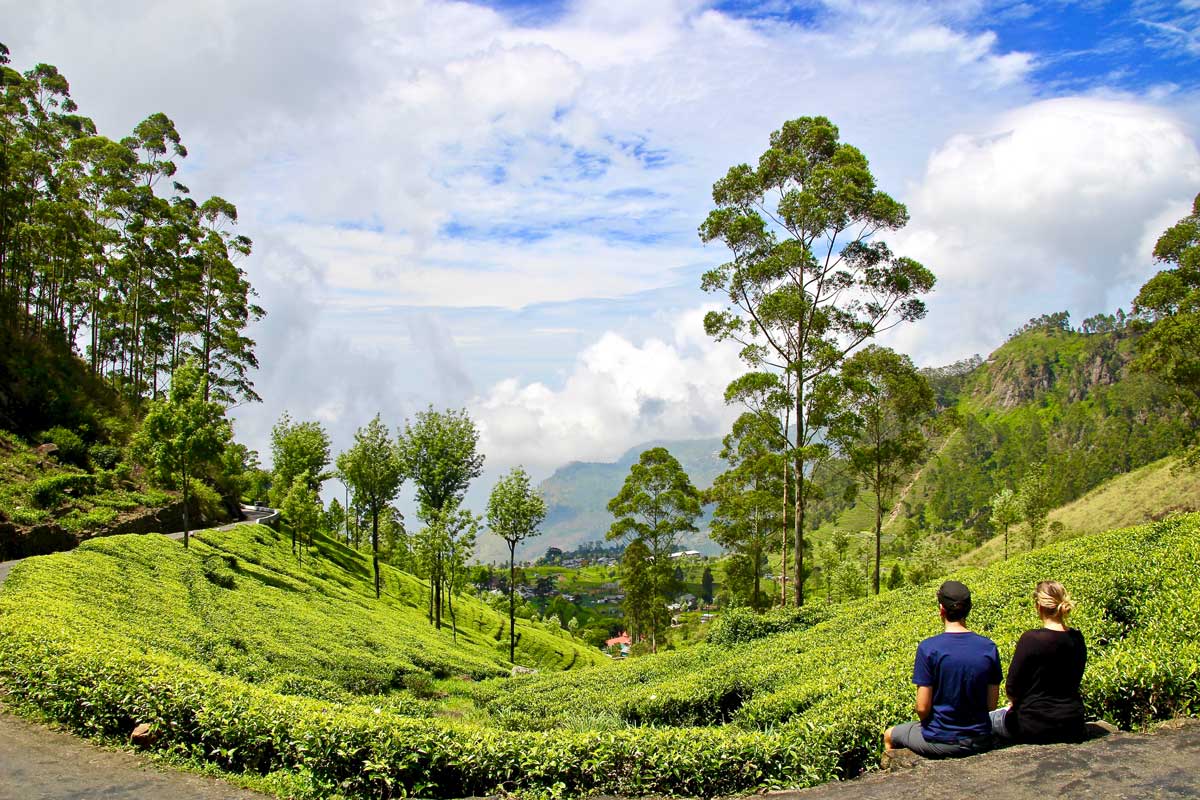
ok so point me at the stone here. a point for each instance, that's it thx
(1099, 729)
(143, 736)
(899, 759)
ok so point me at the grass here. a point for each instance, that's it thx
(1142, 495)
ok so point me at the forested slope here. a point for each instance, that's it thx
(1059, 402)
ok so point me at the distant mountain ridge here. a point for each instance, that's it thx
(577, 494)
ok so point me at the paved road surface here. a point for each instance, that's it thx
(39, 763)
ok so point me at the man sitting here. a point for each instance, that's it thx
(957, 674)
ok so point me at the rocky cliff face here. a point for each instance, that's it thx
(1034, 365)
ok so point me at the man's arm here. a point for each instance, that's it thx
(925, 703)
(993, 696)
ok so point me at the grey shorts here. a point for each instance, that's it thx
(911, 736)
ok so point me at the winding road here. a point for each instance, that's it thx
(253, 514)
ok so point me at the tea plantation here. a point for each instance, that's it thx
(238, 657)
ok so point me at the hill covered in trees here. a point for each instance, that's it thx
(577, 495)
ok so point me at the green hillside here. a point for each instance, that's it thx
(790, 709)
(239, 603)
(1143, 495)
(577, 495)
(1066, 400)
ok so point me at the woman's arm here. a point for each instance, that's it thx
(1015, 687)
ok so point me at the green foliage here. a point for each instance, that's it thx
(95, 251)
(514, 512)
(373, 470)
(879, 430)
(749, 517)
(741, 625)
(1033, 500)
(183, 436)
(91, 521)
(802, 230)
(71, 448)
(1067, 400)
(297, 448)
(792, 708)
(656, 504)
(50, 491)
(207, 500)
(104, 456)
(1170, 302)
(438, 452)
(301, 510)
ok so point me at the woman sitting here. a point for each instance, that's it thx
(1043, 679)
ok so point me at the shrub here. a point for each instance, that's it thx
(92, 521)
(49, 491)
(207, 500)
(71, 449)
(104, 456)
(218, 569)
(740, 625)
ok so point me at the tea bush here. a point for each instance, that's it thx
(791, 708)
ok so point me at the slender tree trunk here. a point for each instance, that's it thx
(800, 493)
(375, 549)
(186, 520)
(1006, 541)
(878, 527)
(437, 596)
(512, 609)
(783, 592)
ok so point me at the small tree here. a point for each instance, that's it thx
(748, 517)
(1034, 498)
(302, 512)
(879, 431)
(1006, 512)
(438, 452)
(656, 504)
(297, 448)
(182, 435)
(638, 586)
(514, 513)
(373, 471)
(706, 585)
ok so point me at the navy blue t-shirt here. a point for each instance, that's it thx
(959, 667)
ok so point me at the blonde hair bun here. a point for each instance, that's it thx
(1053, 599)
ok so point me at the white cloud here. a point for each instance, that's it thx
(618, 393)
(1053, 205)
(574, 160)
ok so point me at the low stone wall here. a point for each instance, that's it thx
(38, 540)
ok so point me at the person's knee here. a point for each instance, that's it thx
(887, 738)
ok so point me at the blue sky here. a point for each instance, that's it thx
(494, 206)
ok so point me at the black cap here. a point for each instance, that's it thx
(954, 595)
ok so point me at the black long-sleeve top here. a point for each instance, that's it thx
(1043, 684)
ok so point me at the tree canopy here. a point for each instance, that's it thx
(183, 434)
(809, 280)
(373, 470)
(101, 245)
